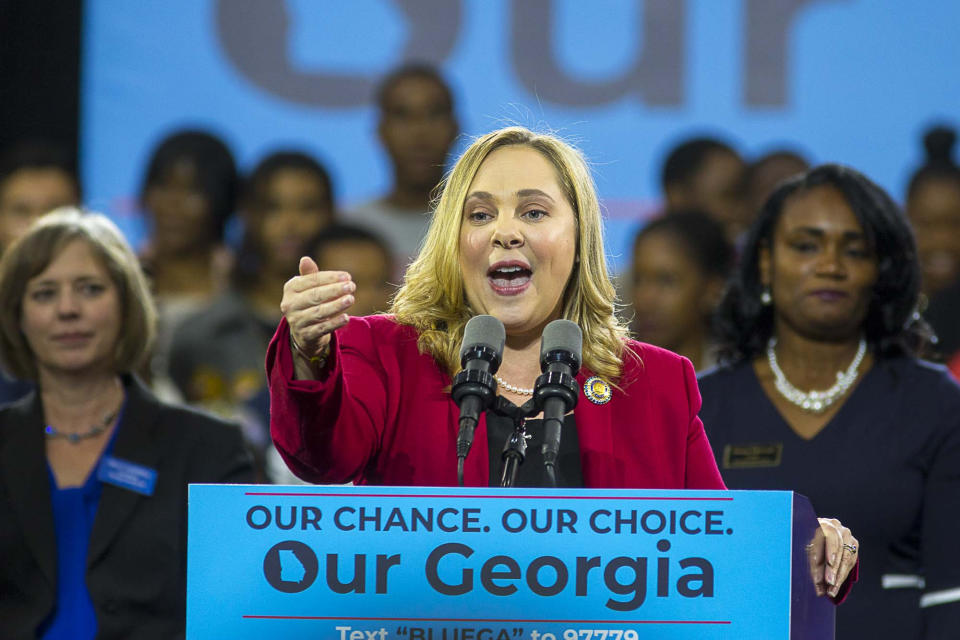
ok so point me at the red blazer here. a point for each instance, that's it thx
(383, 415)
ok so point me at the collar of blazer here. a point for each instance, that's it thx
(24, 471)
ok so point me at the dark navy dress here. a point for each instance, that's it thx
(887, 465)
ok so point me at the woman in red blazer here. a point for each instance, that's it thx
(384, 416)
(517, 235)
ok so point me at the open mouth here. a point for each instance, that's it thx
(509, 278)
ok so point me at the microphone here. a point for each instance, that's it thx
(474, 388)
(555, 392)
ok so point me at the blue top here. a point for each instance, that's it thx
(887, 465)
(74, 510)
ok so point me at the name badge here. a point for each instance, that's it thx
(749, 456)
(127, 475)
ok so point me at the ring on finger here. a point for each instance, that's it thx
(852, 548)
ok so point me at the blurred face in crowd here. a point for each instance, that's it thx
(181, 211)
(765, 175)
(368, 266)
(518, 240)
(934, 211)
(672, 297)
(417, 128)
(716, 188)
(820, 267)
(28, 194)
(71, 313)
(293, 206)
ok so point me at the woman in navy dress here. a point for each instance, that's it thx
(822, 393)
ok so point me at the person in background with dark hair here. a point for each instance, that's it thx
(36, 177)
(933, 206)
(765, 173)
(706, 174)
(680, 265)
(822, 394)
(417, 127)
(189, 192)
(93, 467)
(217, 354)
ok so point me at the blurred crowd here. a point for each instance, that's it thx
(217, 302)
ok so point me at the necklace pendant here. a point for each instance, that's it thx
(816, 401)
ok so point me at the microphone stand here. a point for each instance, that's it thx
(515, 448)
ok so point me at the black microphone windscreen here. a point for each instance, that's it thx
(485, 330)
(562, 335)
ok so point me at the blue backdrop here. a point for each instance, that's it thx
(843, 80)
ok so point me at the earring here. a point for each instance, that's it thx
(765, 298)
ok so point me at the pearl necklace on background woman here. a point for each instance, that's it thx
(815, 401)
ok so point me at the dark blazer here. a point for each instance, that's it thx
(383, 415)
(136, 562)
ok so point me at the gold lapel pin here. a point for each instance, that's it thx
(597, 390)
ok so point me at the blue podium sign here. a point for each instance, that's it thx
(372, 563)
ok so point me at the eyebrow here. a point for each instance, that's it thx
(522, 193)
(480, 195)
(80, 278)
(818, 232)
(529, 193)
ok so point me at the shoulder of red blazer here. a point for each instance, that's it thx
(649, 362)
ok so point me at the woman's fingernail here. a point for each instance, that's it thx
(833, 558)
(831, 576)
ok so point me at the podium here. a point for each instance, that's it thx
(375, 563)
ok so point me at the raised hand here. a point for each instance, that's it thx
(314, 305)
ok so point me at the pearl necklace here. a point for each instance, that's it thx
(509, 387)
(815, 401)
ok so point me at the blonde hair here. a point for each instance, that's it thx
(432, 298)
(31, 254)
